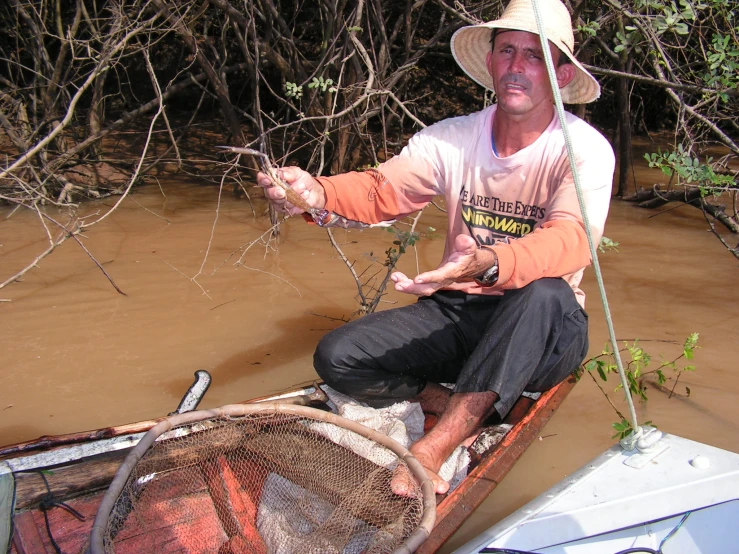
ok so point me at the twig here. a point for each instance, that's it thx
(658, 82)
(148, 210)
(215, 221)
(73, 235)
(191, 279)
(102, 66)
(222, 304)
(604, 394)
(275, 276)
(78, 241)
(348, 264)
(246, 248)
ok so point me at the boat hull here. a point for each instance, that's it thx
(680, 493)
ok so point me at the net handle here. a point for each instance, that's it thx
(416, 538)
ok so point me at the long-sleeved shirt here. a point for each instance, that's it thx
(524, 206)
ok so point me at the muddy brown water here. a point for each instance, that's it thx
(77, 355)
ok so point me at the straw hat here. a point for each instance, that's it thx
(470, 45)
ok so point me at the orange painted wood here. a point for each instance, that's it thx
(236, 511)
(243, 507)
(251, 477)
(173, 514)
(26, 537)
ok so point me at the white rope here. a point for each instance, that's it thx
(630, 442)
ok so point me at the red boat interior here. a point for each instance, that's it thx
(63, 520)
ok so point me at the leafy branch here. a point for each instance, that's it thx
(637, 371)
(690, 170)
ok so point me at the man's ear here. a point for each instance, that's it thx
(565, 74)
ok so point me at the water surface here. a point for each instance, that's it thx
(77, 355)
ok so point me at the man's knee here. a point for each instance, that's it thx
(329, 358)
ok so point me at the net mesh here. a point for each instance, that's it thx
(266, 482)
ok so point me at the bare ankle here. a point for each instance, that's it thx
(434, 398)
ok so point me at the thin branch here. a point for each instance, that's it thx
(659, 82)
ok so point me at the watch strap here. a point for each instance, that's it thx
(489, 277)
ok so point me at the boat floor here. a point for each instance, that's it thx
(70, 534)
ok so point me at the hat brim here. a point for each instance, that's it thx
(470, 47)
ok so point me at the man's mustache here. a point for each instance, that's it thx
(514, 79)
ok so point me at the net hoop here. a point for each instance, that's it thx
(414, 540)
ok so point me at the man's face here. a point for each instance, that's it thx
(516, 64)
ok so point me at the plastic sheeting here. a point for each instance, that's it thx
(7, 505)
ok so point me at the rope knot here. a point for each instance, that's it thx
(47, 502)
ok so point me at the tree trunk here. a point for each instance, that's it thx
(624, 136)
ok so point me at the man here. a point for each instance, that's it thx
(502, 313)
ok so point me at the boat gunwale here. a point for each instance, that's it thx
(48, 443)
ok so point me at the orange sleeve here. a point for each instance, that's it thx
(362, 196)
(558, 248)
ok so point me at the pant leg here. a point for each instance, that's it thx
(535, 339)
(388, 356)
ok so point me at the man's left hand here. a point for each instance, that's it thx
(465, 263)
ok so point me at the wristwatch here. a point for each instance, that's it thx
(490, 276)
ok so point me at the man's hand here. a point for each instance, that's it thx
(300, 181)
(465, 262)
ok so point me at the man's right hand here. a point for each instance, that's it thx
(300, 181)
(464, 263)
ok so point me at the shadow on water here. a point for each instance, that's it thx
(295, 338)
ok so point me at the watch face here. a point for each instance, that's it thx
(490, 277)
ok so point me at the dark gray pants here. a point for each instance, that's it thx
(529, 339)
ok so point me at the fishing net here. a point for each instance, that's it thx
(264, 478)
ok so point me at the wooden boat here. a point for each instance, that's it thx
(60, 480)
(671, 496)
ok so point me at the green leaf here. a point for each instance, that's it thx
(691, 341)
(623, 428)
(602, 373)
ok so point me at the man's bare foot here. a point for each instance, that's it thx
(434, 398)
(425, 454)
(404, 484)
(462, 417)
